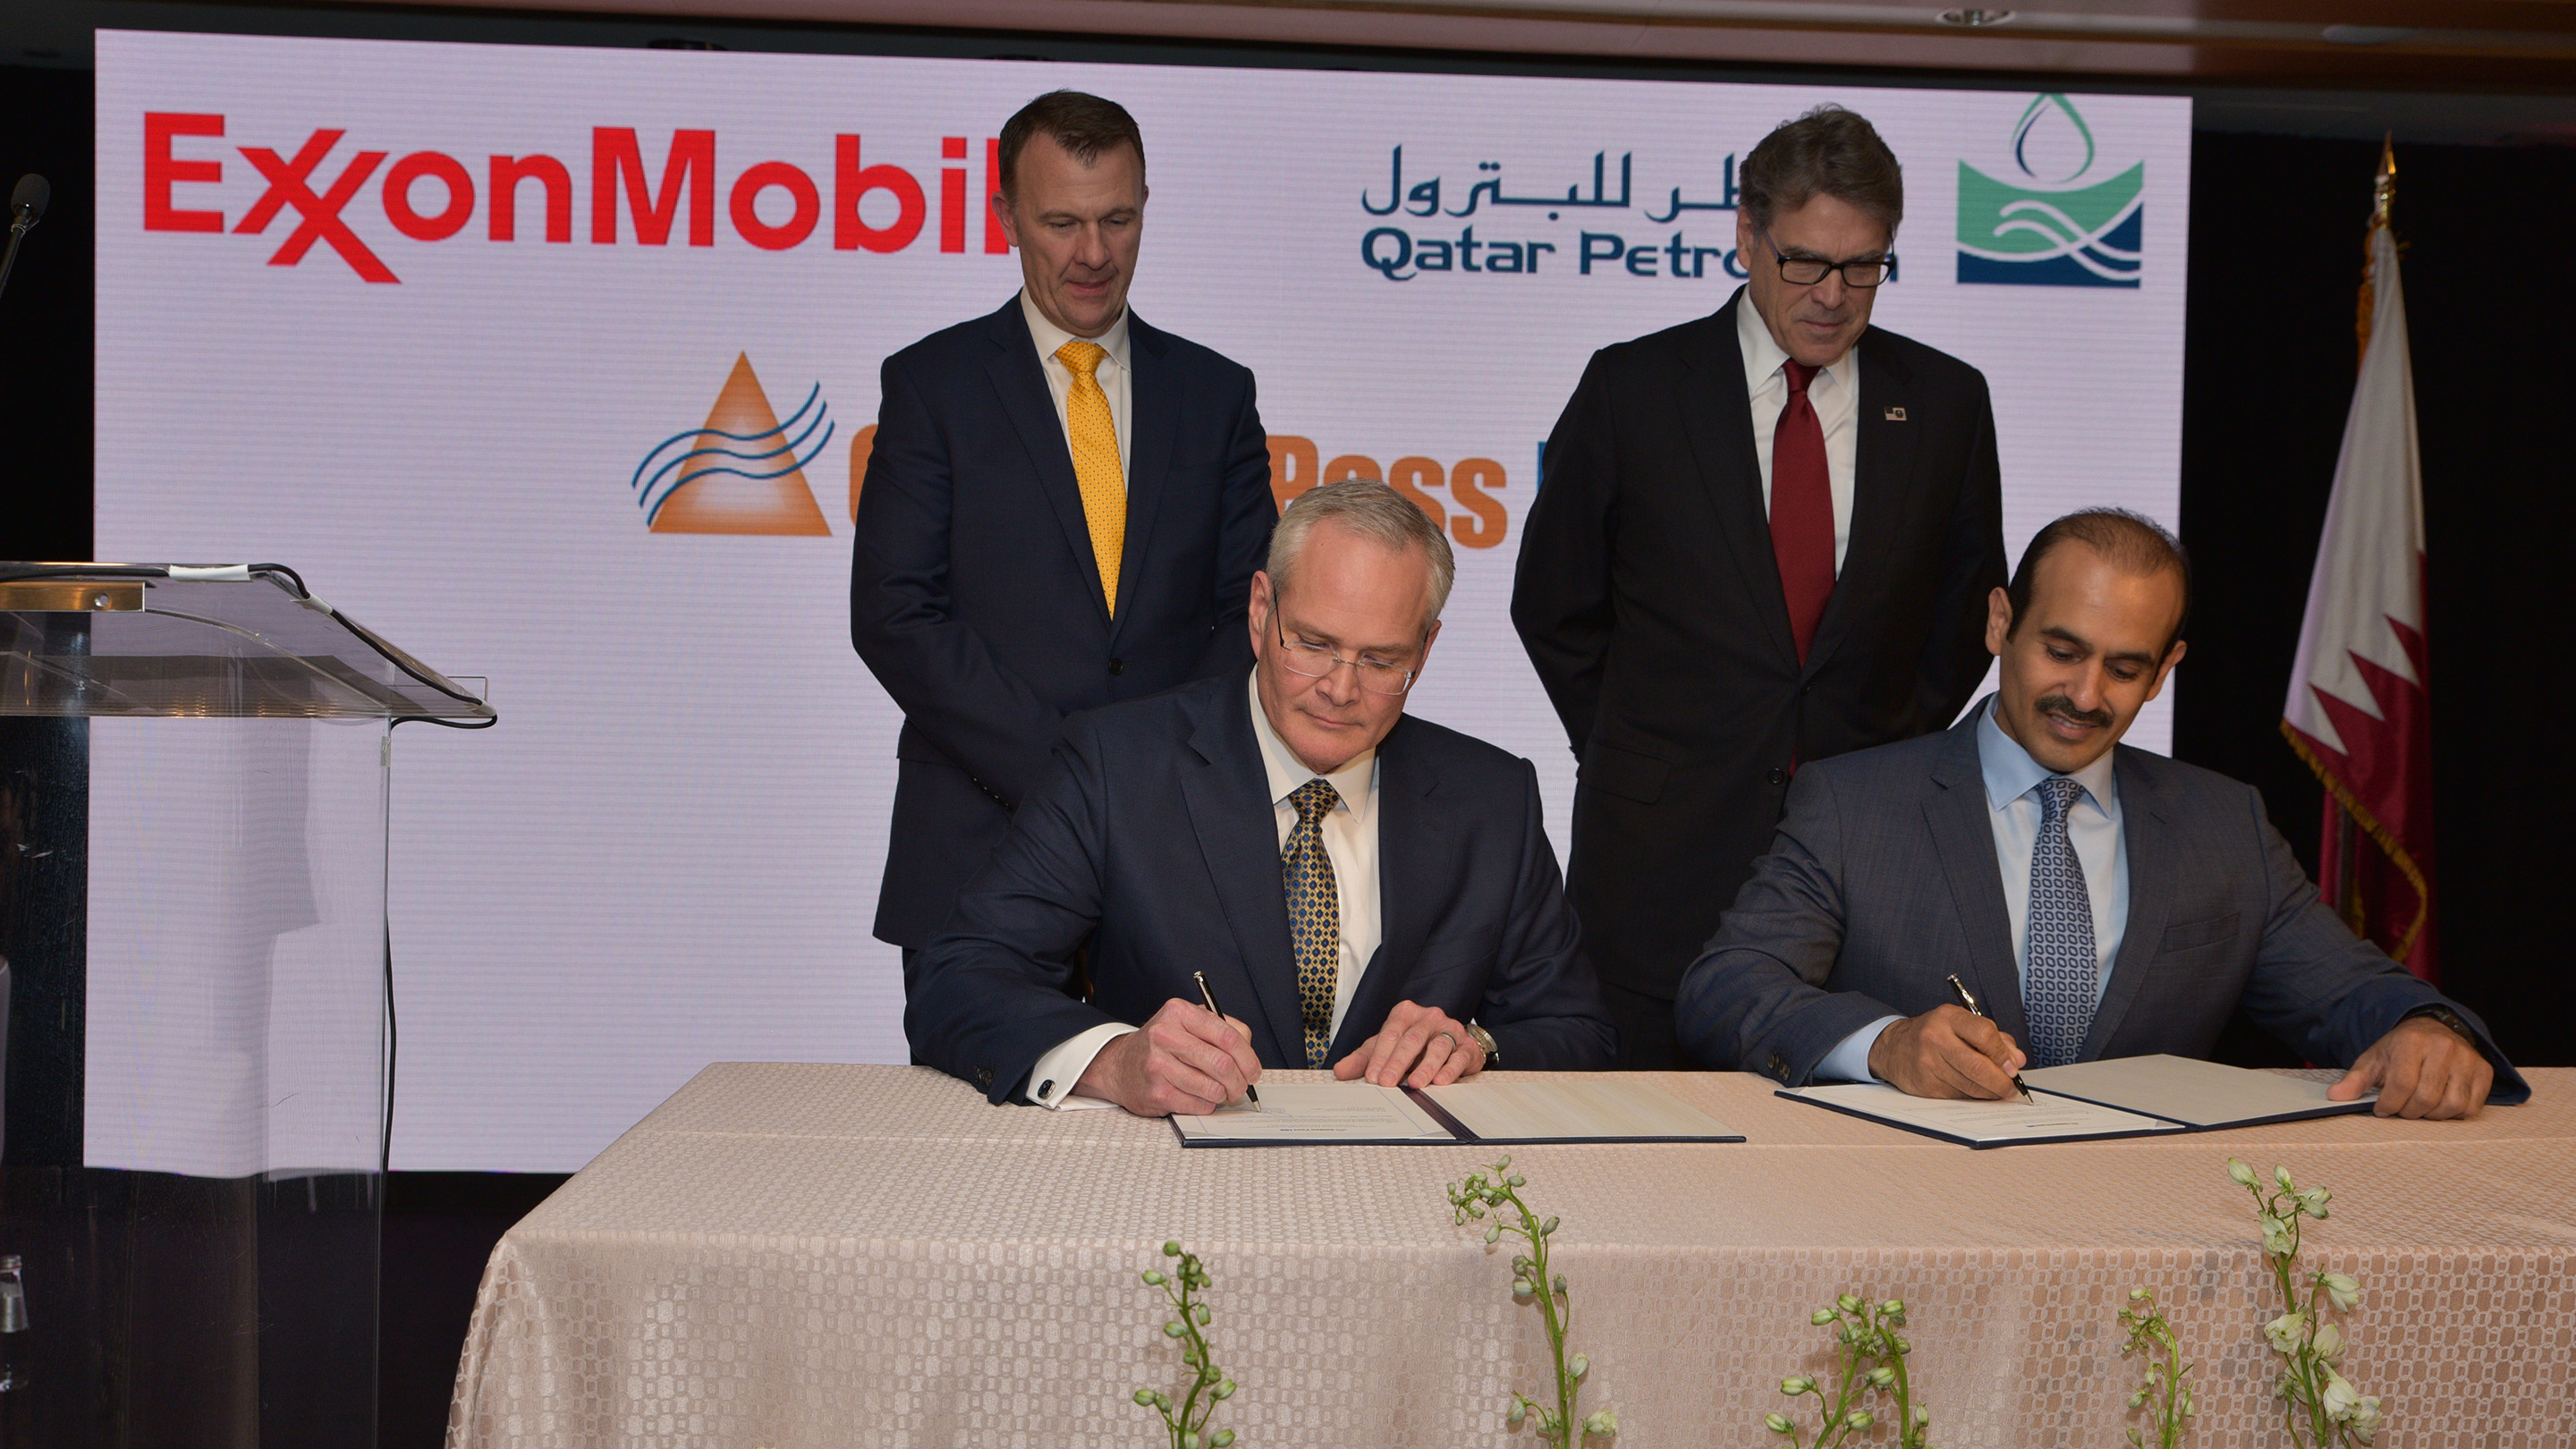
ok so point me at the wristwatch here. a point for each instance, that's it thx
(2447, 1017)
(1494, 1054)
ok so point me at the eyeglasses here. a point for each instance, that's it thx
(1808, 271)
(1314, 661)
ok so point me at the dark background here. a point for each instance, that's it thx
(2269, 358)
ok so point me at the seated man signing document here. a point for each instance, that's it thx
(1363, 891)
(2099, 901)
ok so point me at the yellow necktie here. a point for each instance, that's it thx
(1314, 914)
(1094, 435)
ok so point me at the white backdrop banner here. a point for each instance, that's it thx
(439, 325)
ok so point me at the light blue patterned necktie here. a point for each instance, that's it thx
(2059, 994)
(1314, 914)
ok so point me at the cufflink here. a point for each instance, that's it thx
(1485, 1040)
(983, 1076)
(1045, 1087)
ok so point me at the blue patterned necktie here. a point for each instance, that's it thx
(2058, 996)
(1314, 914)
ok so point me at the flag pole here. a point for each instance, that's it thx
(2345, 888)
(2357, 712)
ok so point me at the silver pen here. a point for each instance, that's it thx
(1967, 999)
(1209, 997)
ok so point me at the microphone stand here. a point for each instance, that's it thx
(26, 208)
(18, 230)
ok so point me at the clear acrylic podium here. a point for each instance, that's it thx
(193, 969)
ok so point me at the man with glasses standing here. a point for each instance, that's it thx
(1361, 891)
(1763, 537)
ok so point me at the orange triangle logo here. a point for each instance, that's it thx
(744, 471)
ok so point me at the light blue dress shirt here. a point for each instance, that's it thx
(2013, 809)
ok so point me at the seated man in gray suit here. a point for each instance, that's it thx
(1369, 892)
(2099, 901)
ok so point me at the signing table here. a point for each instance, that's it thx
(843, 1255)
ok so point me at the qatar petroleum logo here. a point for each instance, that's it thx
(743, 471)
(2053, 227)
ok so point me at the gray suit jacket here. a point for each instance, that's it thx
(1882, 881)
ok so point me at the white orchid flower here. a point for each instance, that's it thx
(2365, 1421)
(2329, 1342)
(2340, 1398)
(2342, 1291)
(2276, 1236)
(2240, 1172)
(2286, 1332)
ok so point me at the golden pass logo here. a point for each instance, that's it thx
(743, 471)
(1473, 517)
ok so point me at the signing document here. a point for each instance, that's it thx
(1484, 1110)
(2199, 1095)
(2046, 1117)
(1347, 1113)
(1586, 1109)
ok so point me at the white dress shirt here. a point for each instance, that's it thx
(2012, 781)
(1834, 392)
(1113, 373)
(1350, 843)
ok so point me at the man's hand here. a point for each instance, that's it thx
(2422, 1069)
(1186, 1059)
(1420, 1046)
(1947, 1052)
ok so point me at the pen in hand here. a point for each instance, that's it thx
(1250, 1094)
(1966, 999)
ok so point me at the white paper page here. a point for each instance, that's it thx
(1503, 1110)
(2012, 1120)
(1318, 1112)
(2201, 1094)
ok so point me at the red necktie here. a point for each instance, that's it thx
(1802, 509)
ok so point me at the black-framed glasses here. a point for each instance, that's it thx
(1866, 271)
(1314, 661)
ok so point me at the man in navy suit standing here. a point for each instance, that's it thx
(1370, 892)
(1064, 508)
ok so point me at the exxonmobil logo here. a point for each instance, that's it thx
(321, 195)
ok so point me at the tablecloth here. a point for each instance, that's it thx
(809, 1255)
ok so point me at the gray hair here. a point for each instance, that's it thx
(1828, 151)
(1374, 512)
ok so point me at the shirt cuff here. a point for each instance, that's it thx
(1849, 1061)
(1051, 1080)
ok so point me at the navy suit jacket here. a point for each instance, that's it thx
(1882, 881)
(1649, 600)
(1155, 831)
(975, 596)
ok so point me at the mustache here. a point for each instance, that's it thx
(2064, 708)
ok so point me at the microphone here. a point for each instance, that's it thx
(27, 202)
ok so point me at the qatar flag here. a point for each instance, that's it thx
(2358, 711)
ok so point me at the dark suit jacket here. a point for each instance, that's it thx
(1649, 601)
(1156, 830)
(1883, 881)
(975, 596)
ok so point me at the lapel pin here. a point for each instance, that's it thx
(1896, 415)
